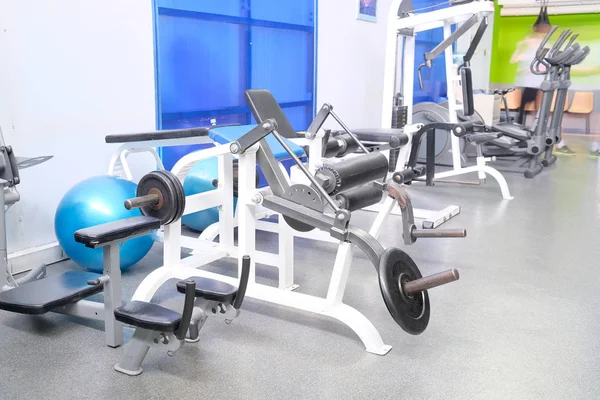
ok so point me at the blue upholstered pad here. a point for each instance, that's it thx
(229, 134)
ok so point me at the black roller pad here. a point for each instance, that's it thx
(157, 135)
(44, 295)
(148, 316)
(211, 289)
(99, 235)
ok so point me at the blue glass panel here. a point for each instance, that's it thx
(289, 74)
(196, 72)
(234, 8)
(298, 12)
(434, 78)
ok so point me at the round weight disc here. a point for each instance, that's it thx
(410, 312)
(154, 182)
(177, 202)
(180, 194)
(306, 196)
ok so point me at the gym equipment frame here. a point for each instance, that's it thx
(407, 27)
(250, 202)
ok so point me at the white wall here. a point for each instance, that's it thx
(71, 71)
(351, 56)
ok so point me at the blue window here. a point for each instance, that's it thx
(208, 52)
(434, 78)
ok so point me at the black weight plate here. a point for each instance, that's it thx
(410, 312)
(158, 181)
(175, 203)
(180, 194)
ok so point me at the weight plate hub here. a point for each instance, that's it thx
(170, 192)
(305, 196)
(410, 312)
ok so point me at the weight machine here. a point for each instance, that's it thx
(407, 27)
(300, 207)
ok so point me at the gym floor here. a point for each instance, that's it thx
(521, 322)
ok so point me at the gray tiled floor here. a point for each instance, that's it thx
(521, 323)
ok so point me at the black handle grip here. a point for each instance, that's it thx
(462, 128)
(188, 309)
(408, 175)
(241, 293)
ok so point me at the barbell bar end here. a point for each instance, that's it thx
(431, 281)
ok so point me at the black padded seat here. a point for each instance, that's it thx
(99, 235)
(44, 295)
(148, 316)
(211, 289)
(381, 135)
(157, 135)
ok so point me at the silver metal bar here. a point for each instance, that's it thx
(84, 309)
(461, 30)
(142, 201)
(429, 282)
(306, 172)
(344, 127)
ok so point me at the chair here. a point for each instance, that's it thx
(583, 103)
(513, 100)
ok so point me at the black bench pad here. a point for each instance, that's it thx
(148, 316)
(157, 135)
(44, 295)
(102, 234)
(211, 289)
(381, 135)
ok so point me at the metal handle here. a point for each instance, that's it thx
(431, 281)
(142, 201)
(419, 76)
(439, 233)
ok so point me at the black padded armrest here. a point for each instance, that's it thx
(99, 235)
(157, 135)
(382, 135)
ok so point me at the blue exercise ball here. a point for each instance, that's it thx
(200, 180)
(95, 201)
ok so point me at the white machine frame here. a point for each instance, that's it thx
(444, 18)
(247, 218)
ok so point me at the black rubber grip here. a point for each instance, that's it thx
(354, 172)
(462, 128)
(408, 175)
(241, 293)
(359, 198)
(467, 90)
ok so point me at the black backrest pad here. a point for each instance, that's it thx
(264, 106)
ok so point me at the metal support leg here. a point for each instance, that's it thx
(135, 352)
(286, 255)
(199, 317)
(113, 298)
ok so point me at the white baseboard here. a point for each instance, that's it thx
(24, 260)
